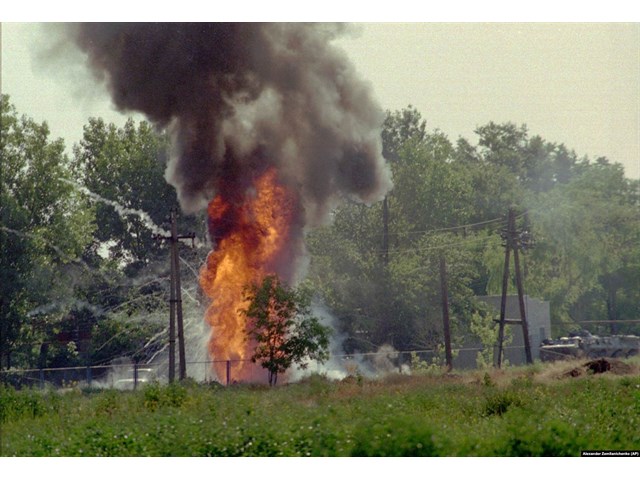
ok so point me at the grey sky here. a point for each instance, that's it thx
(577, 84)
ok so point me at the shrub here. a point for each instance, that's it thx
(498, 403)
(107, 403)
(17, 404)
(553, 438)
(156, 396)
(152, 395)
(396, 437)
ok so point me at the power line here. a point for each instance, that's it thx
(459, 227)
(609, 321)
(446, 229)
(437, 247)
(438, 230)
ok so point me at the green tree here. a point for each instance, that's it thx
(395, 299)
(121, 171)
(45, 226)
(281, 324)
(125, 166)
(587, 254)
(431, 191)
(504, 145)
(399, 127)
(584, 218)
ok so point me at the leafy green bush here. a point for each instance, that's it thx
(155, 395)
(499, 402)
(396, 437)
(552, 438)
(107, 403)
(27, 403)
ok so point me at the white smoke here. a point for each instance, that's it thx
(341, 365)
(124, 212)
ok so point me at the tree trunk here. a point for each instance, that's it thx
(611, 310)
(385, 231)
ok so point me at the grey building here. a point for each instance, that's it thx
(539, 323)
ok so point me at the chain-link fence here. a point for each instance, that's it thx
(125, 375)
(100, 376)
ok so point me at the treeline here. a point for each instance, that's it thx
(377, 267)
(82, 281)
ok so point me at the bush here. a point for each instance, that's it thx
(396, 437)
(156, 396)
(28, 403)
(107, 403)
(498, 403)
(553, 438)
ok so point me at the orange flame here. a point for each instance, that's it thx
(256, 238)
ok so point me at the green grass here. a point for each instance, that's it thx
(520, 413)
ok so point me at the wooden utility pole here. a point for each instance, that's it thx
(172, 325)
(445, 311)
(175, 302)
(503, 301)
(178, 295)
(512, 242)
(385, 231)
(523, 310)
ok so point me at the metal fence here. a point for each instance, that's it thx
(226, 372)
(100, 376)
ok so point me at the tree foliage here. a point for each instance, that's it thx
(73, 271)
(125, 167)
(71, 262)
(452, 199)
(45, 226)
(588, 253)
(121, 171)
(281, 325)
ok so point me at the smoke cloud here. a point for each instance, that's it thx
(238, 98)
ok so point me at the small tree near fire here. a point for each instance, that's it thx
(280, 322)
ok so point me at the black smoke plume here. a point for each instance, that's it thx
(237, 97)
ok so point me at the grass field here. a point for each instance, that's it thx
(541, 410)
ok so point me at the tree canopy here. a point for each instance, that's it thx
(280, 322)
(80, 270)
(452, 199)
(78, 253)
(45, 225)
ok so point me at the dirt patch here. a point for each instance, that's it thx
(598, 366)
(620, 368)
(574, 372)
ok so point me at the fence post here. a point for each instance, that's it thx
(228, 372)
(41, 379)
(135, 376)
